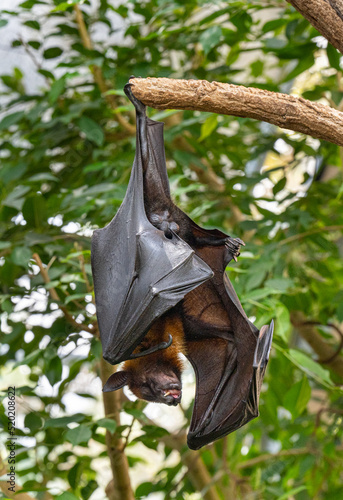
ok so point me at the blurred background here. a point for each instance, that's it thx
(67, 143)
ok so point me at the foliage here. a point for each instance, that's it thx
(66, 156)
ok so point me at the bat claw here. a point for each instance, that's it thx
(233, 245)
(151, 350)
(140, 107)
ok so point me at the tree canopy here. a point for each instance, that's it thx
(66, 150)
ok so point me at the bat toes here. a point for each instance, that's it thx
(140, 107)
(234, 245)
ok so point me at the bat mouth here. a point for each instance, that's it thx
(172, 395)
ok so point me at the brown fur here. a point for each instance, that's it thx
(164, 361)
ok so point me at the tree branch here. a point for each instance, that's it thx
(54, 295)
(300, 236)
(98, 76)
(283, 110)
(197, 471)
(268, 456)
(118, 459)
(326, 16)
(315, 340)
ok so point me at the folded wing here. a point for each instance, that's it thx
(139, 273)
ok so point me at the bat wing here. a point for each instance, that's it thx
(139, 273)
(229, 356)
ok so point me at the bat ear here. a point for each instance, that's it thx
(116, 381)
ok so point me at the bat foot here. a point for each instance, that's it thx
(140, 107)
(233, 245)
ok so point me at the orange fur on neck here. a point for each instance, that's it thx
(171, 324)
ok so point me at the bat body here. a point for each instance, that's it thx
(161, 289)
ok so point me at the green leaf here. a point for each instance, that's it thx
(282, 284)
(291, 493)
(87, 490)
(63, 6)
(74, 475)
(283, 322)
(94, 167)
(209, 125)
(44, 176)
(279, 186)
(34, 44)
(257, 68)
(52, 52)
(76, 296)
(274, 25)
(144, 490)
(3, 22)
(334, 57)
(78, 435)
(92, 130)
(63, 421)
(29, 359)
(67, 496)
(311, 367)
(304, 64)
(255, 280)
(57, 88)
(11, 119)
(108, 424)
(32, 24)
(54, 370)
(296, 399)
(210, 38)
(21, 256)
(33, 421)
(259, 294)
(16, 198)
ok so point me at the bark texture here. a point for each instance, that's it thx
(318, 344)
(118, 459)
(282, 110)
(326, 16)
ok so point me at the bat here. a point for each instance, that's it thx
(161, 290)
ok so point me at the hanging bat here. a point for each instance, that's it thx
(161, 290)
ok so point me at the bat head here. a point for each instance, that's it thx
(158, 385)
(155, 384)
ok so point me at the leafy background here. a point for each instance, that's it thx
(66, 154)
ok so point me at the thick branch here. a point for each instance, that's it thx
(118, 459)
(326, 16)
(197, 471)
(283, 110)
(315, 340)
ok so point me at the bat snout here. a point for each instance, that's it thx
(172, 397)
(172, 394)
